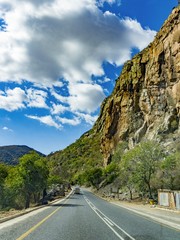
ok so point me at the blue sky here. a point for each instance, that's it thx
(59, 59)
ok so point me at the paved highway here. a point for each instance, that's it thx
(84, 217)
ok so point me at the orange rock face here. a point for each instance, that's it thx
(145, 103)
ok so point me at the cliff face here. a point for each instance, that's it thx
(145, 103)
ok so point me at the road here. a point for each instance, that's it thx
(84, 217)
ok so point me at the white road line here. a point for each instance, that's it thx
(30, 213)
(108, 221)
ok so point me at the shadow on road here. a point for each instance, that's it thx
(66, 205)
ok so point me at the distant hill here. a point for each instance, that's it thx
(10, 154)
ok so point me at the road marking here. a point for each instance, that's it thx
(108, 221)
(165, 223)
(23, 236)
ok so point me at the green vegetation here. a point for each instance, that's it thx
(10, 154)
(146, 168)
(143, 169)
(24, 183)
(139, 165)
(73, 163)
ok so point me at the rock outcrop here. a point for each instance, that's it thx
(145, 103)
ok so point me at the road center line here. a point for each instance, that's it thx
(108, 221)
(23, 236)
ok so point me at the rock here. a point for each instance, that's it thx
(145, 103)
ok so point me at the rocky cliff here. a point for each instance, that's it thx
(145, 103)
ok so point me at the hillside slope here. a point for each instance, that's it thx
(10, 154)
(79, 157)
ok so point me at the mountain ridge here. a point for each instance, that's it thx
(10, 154)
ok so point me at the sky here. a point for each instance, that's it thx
(59, 60)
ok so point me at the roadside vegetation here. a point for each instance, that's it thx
(142, 170)
(25, 183)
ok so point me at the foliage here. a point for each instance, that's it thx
(170, 171)
(140, 164)
(94, 176)
(73, 163)
(3, 175)
(119, 151)
(25, 180)
(110, 173)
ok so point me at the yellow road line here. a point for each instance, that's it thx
(39, 224)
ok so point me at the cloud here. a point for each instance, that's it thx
(36, 98)
(65, 39)
(73, 122)
(62, 44)
(82, 96)
(47, 120)
(87, 117)
(85, 97)
(58, 108)
(12, 99)
(7, 129)
(101, 2)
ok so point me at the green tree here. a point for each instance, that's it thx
(94, 176)
(33, 169)
(13, 197)
(110, 173)
(3, 176)
(128, 173)
(170, 171)
(119, 151)
(141, 163)
(29, 178)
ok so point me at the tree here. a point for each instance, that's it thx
(119, 151)
(3, 175)
(29, 178)
(94, 176)
(128, 172)
(140, 164)
(34, 172)
(170, 171)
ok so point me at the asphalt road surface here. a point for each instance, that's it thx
(84, 217)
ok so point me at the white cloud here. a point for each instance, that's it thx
(73, 122)
(58, 108)
(50, 43)
(87, 117)
(7, 129)
(69, 39)
(82, 96)
(85, 97)
(36, 98)
(101, 2)
(12, 99)
(47, 120)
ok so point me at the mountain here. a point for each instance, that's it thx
(11, 154)
(145, 104)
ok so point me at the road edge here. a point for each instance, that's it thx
(34, 209)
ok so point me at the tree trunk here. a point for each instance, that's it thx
(149, 190)
(130, 191)
(27, 203)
